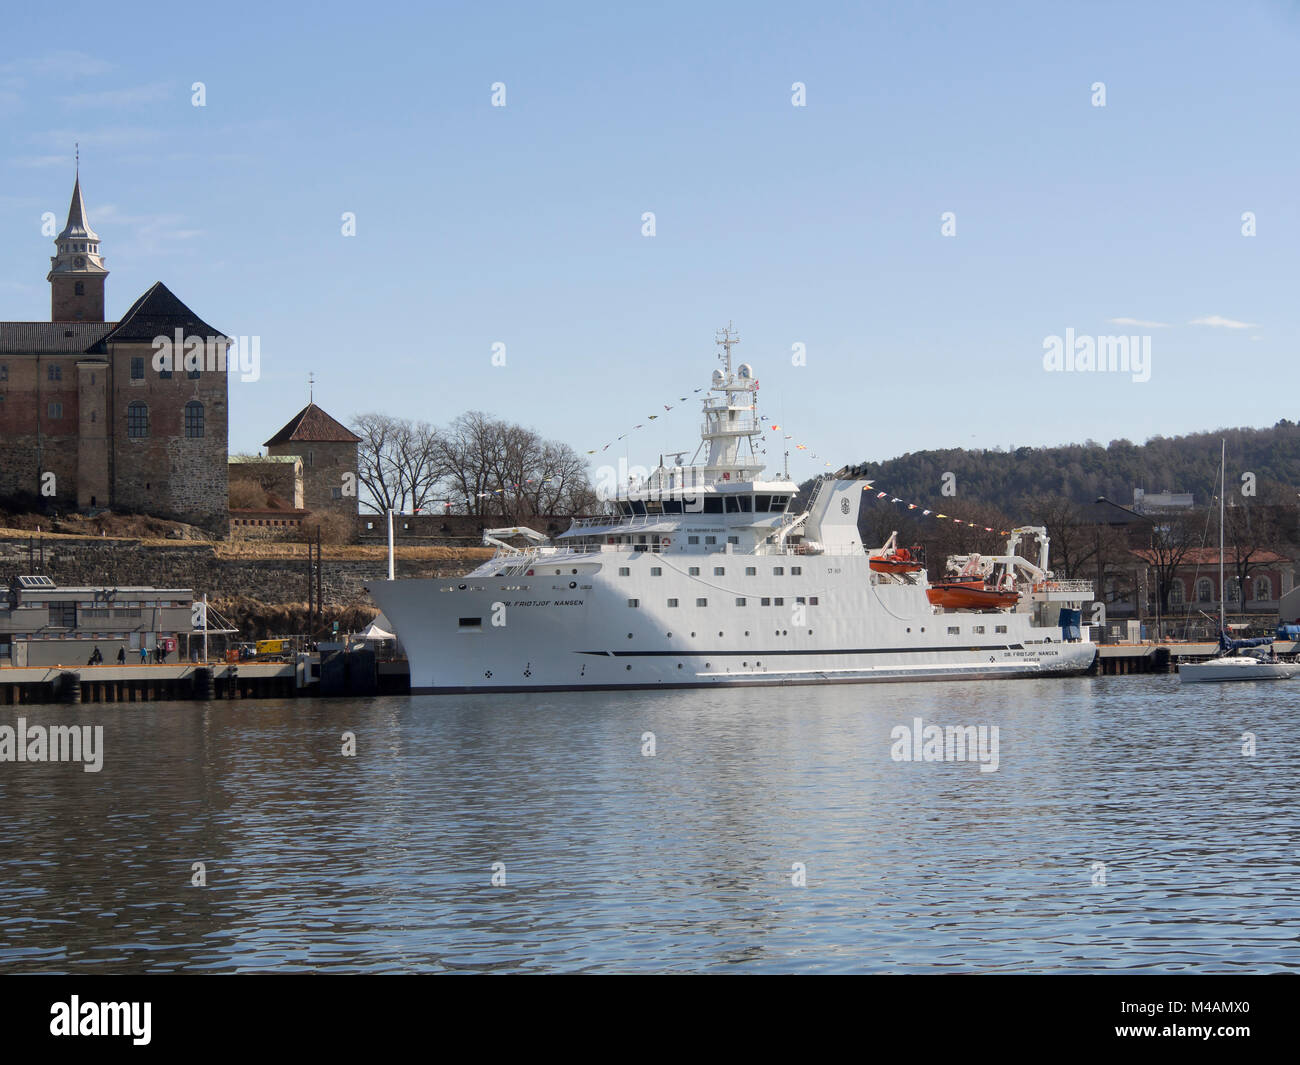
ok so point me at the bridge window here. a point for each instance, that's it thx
(701, 602)
(694, 571)
(672, 602)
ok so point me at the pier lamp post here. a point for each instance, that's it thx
(1160, 581)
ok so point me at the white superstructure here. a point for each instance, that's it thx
(706, 575)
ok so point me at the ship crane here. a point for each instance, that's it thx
(491, 537)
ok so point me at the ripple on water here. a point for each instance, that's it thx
(678, 862)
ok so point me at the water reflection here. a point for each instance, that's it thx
(678, 862)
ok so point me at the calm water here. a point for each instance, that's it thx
(680, 861)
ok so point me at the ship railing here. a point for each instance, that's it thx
(746, 426)
(615, 521)
(1083, 587)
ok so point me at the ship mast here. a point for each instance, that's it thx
(1223, 468)
(729, 417)
(725, 338)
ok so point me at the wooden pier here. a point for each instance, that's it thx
(137, 684)
(333, 674)
(1119, 659)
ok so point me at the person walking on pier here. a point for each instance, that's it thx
(121, 656)
(144, 655)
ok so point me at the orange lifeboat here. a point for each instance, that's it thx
(898, 560)
(962, 593)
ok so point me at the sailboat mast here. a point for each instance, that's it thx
(1223, 468)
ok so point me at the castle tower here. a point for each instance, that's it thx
(77, 272)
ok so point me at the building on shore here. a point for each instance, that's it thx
(328, 469)
(87, 421)
(43, 624)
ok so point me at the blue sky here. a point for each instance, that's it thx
(818, 225)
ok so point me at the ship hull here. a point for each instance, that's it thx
(573, 627)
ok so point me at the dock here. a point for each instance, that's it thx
(1119, 659)
(331, 675)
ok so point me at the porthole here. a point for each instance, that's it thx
(629, 667)
(746, 632)
(629, 635)
(557, 572)
(719, 634)
(573, 571)
(692, 634)
(669, 635)
(462, 587)
(784, 632)
(573, 584)
(679, 665)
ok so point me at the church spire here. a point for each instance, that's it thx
(78, 228)
(77, 270)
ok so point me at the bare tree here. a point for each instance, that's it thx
(499, 469)
(1254, 537)
(398, 463)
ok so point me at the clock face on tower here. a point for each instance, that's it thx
(79, 262)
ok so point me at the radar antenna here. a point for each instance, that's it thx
(725, 338)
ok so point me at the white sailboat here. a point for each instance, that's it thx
(1237, 659)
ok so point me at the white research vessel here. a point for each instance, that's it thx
(708, 575)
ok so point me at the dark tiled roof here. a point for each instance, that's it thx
(51, 338)
(313, 425)
(1209, 556)
(158, 313)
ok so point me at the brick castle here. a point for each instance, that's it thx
(86, 421)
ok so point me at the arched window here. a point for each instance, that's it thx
(1204, 591)
(193, 419)
(1263, 588)
(78, 288)
(137, 420)
(1176, 592)
(1234, 590)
